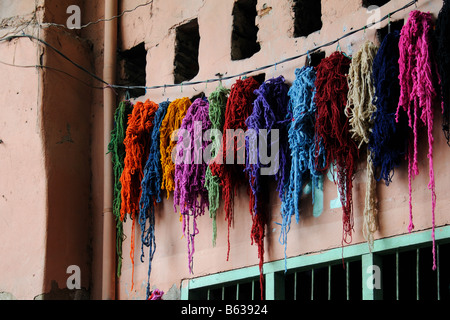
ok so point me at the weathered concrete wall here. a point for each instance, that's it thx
(46, 162)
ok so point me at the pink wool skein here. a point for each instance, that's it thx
(418, 77)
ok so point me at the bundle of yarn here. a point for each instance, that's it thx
(190, 194)
(333, 131)
(117, 150)
(137, 148)
(418, 77)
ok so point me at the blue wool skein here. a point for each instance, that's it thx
(151, 190)
(302, 145)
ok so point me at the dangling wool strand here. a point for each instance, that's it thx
(171, 123)
(302, 146)
(360, 110)
(217, 107)
(442, 35)
(388, 139)
(239, 107)
(417, 95)
(140, 126)
(190, 194)
(333, 130)
(270, 113)
(151, 191)
(117, 149)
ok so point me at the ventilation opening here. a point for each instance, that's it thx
(244, 42)
(307, 17)
(260, 78)
(132, 64)
(396, 25)
(187, 42)
(316, 58)
(378, 3)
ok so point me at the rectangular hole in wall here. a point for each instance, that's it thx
(132, 64)
(378, 3)
(244, 42)
(316, 57)
(307, 17)
(187, 43)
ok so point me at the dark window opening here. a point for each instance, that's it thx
(332, 282)
(245, 290)
(378, 3)
(316, 58)
(244, 42)
(395, 25)
(187, 43)
(260, 78)
(133, 63)
(408, 275)
(307, 17)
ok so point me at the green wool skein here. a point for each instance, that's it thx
(117, 150)
(217, 106)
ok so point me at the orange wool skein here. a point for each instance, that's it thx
(172, 122)
(137, 139)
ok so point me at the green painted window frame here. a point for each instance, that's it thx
(273, 271)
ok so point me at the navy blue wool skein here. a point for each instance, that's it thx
(388, 140)
(151, 191)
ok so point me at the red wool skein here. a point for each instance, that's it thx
(333, 131)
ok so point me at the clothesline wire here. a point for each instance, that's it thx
(220, 77)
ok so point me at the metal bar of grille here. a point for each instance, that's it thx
(312, 284)
(417, 274)
(208, 295)
(329, 282)
(347, 279)
(253, 290)
(396, 275)
(438, 273)
(237, 291)
(295, 286)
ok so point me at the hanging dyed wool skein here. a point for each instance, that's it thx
(301, 133)
(171, 123)
(442, 35)
(117, 149)
(231, 175)
(333, 131)
(388, 139)
(360, 110)
(140, 126)
(418, 79)
(151, 191)
(217, 107)
(190, 194)
(269, 124)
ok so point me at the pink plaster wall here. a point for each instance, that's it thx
(23, 185)
(51, 193)
(170, 264)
